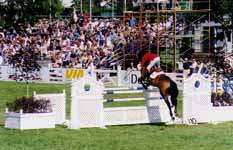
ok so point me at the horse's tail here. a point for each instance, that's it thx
(173, 90)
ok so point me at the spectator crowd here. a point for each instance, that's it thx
(76, 44)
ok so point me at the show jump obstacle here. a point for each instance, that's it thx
(87, 108)
(197, 105)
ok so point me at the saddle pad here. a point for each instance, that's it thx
(155, 74)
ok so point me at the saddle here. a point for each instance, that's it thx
(155, 74)
(150, 76)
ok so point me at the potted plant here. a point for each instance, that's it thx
(29, 113)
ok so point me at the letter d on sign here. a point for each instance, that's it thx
(134, 79)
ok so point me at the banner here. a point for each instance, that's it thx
(125, 78)
(129, 78)
(74, 74)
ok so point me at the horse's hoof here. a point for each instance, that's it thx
(175, 121)
(173, 118)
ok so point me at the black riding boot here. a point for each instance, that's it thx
(142, 80)
(148, 79)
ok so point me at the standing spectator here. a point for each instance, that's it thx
(132, 22)
(180, 65)
(85, 17)
(192, 67)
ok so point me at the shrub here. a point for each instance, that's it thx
(30, 105)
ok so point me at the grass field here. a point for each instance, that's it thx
(135, 137)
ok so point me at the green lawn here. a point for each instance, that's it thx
(135, 137)
(10, 90)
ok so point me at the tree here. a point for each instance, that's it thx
(98, 9)
(43, 7)
(77, 4)
(18, 11)
(221, 7)
(25, 65)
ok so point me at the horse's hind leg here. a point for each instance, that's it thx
(169, 107)
(173, 91)
(174, 103)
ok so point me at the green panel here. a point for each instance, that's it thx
(184, 5)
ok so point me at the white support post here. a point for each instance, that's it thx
(87, 108)
(90, 9)
(118, 75)
(81, 6)
(21, 111)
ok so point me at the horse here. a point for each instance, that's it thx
(167, 87)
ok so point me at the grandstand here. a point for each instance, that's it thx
(172, 31)
(162, 26)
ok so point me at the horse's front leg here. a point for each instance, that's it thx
(169, 107)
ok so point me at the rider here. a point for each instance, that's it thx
(149, 60)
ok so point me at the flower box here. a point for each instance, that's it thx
(29, 120)
(29, 113)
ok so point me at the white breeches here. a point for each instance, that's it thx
(153, 62)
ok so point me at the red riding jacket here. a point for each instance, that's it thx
(147, 58)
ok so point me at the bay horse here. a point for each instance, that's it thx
(167, 87)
